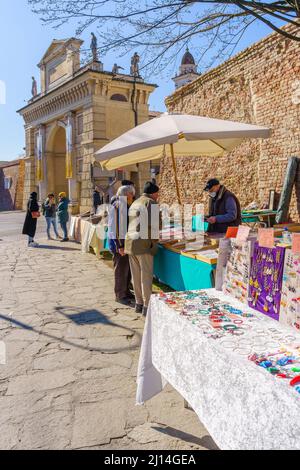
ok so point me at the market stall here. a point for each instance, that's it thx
(258, 217)
(186, 260)
(181, 271)
(290, 292)
(90, 233)
(237, 269)
(260, 275)
(185, 136)
(226, 352)
(237, 368)
(199, 272)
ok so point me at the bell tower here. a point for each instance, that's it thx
(187, 70)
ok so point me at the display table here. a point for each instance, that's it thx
(182, 272)
(258, 215)
(90, 235)
(242, 405)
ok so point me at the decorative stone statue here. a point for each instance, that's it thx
(34, 87)
(116, 69)
(134, 69)
(94, 47)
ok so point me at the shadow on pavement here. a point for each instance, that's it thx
(85, 317)
(92, 316)
(205, 441)
(58, 247)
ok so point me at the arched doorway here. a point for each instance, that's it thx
(56, 161)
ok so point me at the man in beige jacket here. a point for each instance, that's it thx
(141, 244)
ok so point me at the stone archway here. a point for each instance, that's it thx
(56, 161)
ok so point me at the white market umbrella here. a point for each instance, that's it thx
(176, 134)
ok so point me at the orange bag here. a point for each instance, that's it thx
(231, 232)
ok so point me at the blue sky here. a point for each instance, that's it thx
(24, 40)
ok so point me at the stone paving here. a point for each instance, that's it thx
(71, 359)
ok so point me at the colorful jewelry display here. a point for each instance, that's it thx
(240, 329)
(266, 280)
(281, 366)
(236, 280)
(290, 293)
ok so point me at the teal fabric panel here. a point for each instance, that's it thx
(106, 242)
(182, 273)
(248, 219)
(198, 224)
(255, 218)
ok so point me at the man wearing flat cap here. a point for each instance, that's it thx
(224, 207)
(141, 244)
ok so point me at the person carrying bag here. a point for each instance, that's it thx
(32, 214)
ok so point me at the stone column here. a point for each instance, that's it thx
(144, 175)
(41, 165)
(29, 183)
(71, 163)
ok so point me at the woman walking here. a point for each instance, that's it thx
(32, 215)
(49, 207)
(63, 214)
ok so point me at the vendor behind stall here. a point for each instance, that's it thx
(224, 207)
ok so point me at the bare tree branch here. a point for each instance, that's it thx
(162, 28)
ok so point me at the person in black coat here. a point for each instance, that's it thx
(29, 227)
(97, 199)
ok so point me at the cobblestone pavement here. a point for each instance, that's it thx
(72, 354)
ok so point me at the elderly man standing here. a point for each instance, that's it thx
(117, 229)
(224, 207)
(141, 244)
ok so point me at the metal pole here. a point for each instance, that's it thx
(287, 189)
(175, 173)
(134, 103)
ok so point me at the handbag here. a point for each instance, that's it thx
(35, 214)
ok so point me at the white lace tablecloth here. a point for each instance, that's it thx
(242, 405)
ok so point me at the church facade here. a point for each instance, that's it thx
(79, 110)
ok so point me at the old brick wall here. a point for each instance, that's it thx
(260, 85)
(20, 186)
(8, 196)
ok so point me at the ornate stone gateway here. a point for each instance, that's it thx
(78, 110)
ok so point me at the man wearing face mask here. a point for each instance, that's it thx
(224, 207)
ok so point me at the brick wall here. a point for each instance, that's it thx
(20, 186)
(260, 85)
(11, 199)
(29, 180)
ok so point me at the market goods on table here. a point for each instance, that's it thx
(290, 293)
(266, 280)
